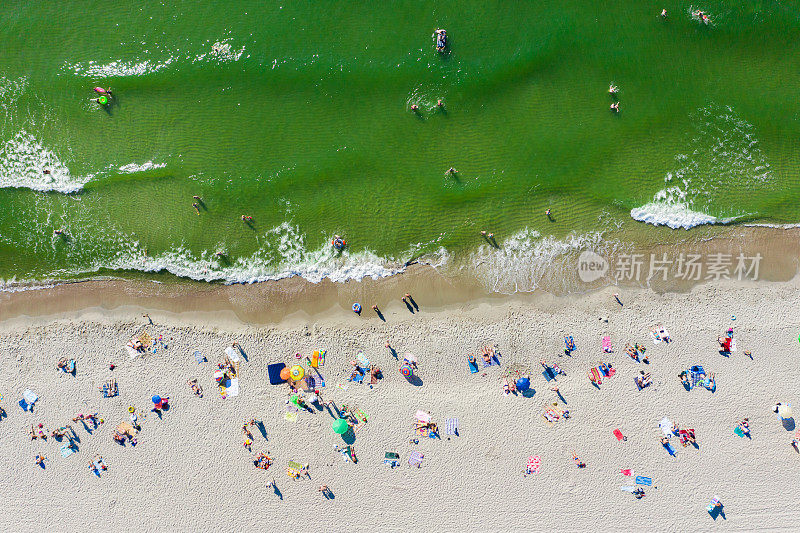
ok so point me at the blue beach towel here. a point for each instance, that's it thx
(642, 480)
(549, 374)
(473, 367)
(199, 357)
(274, 373)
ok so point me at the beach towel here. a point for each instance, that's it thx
(666, 426)
(493, 360)
(642, 480)
(232, 386)
(422, 416)
(451, 426)
(199, 357)
(232, 353)
(670, 448)
(626, 472)
(628, 488)
(549, 374)
(607, 344)
(739, 431)
(473, 366)
(595, 376)
(274, 373)
(618, 434)
(290, 416)
(391, 458)
(357, 376)
(415, 459)
(363, 360)
(67, 450)
(569, 343)
(534, 463)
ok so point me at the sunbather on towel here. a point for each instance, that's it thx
(505, 387)
(487, 356)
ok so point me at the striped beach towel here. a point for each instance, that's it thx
(451, 426)
(534, 462)
(415, 459)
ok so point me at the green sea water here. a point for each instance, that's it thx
(299, 115)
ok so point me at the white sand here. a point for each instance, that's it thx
(190, 471)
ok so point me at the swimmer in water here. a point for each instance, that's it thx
(46, 171)
(246, 218)
(58, 232)
(414, 107)
(196, 208)
(615, 107)
(440, 103)
(197, 198)
(100, 90)
(452, 171)
(613, 89)
(663, 13)
(220, 254)
(547, 213)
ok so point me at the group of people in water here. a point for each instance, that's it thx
(104, 96)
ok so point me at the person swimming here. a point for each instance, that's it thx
(338, 243)
(100, 90)
(613, 89)
(615, 107)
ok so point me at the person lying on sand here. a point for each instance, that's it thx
(196, 388)
(505, 387)
(487, 356)
(577, 461)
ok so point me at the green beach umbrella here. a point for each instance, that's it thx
(340, 426)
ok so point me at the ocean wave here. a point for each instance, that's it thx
(526, 260)
(674, 215)
(94, 69)
(130, 168)
(23, 160)
(722, 153)
(283, 255)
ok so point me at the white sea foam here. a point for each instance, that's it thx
(94, 69)
(723, 152)
(130, 168)
(282, 255)
(22, 161)
(526, 260)
(673, 215)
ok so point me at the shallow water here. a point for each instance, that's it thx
(299, 116)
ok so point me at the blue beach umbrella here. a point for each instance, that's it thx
(523, 384)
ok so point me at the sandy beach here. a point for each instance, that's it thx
(189, 470)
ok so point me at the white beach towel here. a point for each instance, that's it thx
(232, 353)
(233, 388)
(666, 426)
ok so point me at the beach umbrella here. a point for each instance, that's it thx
(406, 370)
(285, 374)
(784, 411)
(156, 399)
(297, 372)
(523, 384)
(340, 426)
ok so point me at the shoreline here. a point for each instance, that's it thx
(273, 301)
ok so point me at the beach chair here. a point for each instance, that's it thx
(109, 388)
(451, 426)
(199, 357)
(415, 459)
(392, 459)
(607, 348)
